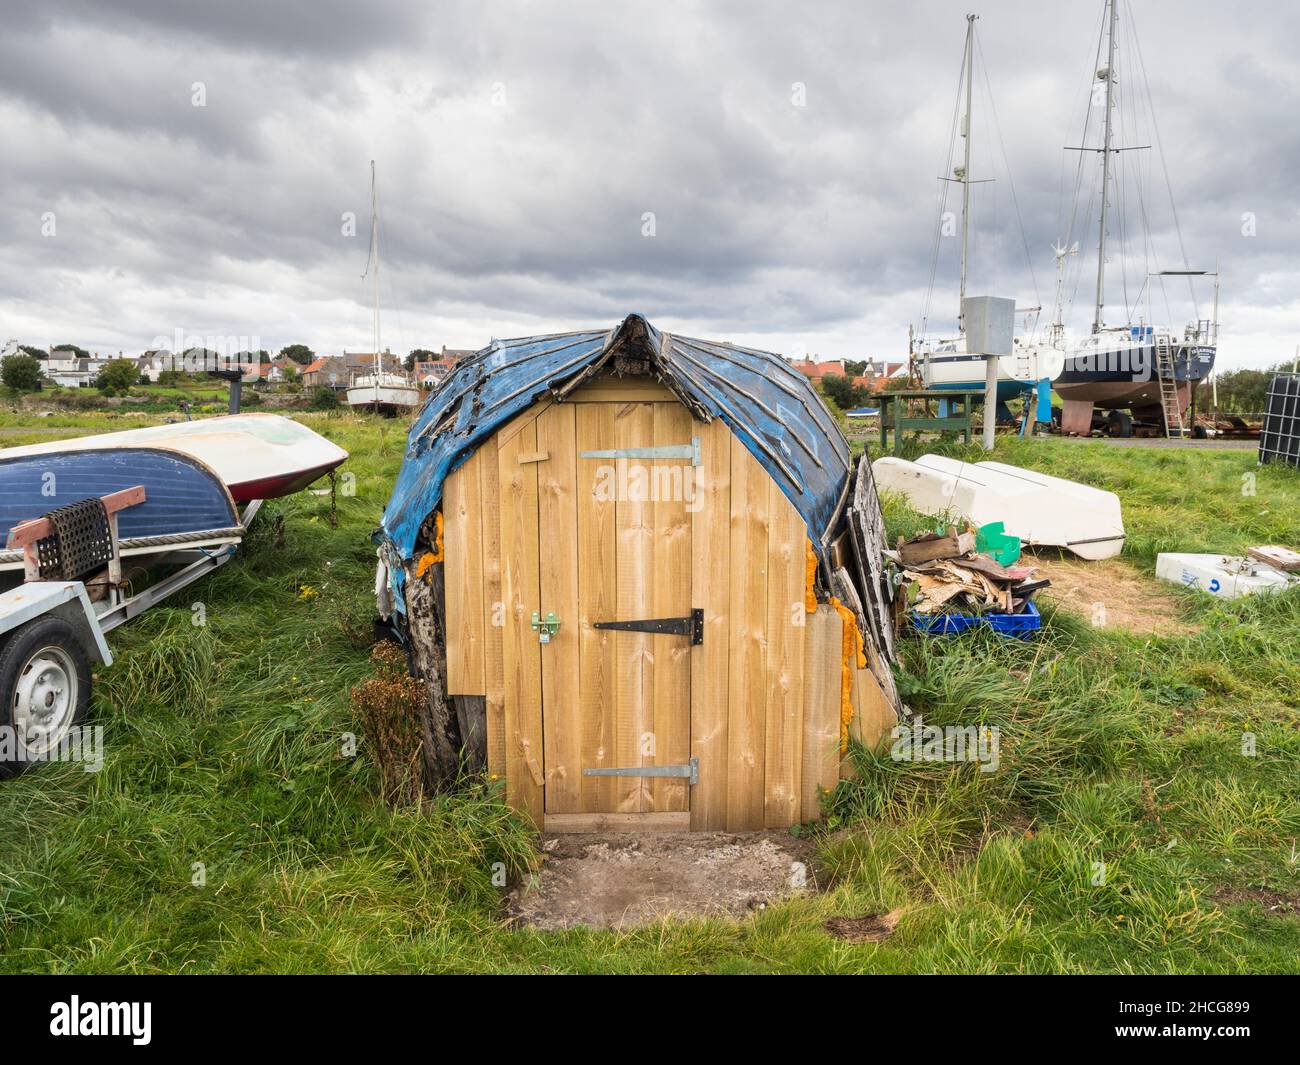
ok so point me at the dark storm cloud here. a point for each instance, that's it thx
(520, 147)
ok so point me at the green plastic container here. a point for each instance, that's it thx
(992, 540)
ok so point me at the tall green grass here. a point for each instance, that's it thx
(225, 746)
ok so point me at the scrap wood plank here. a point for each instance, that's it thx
(462, 538)
(557, 525)
(710, 578)
(493, 609)
(670, 596)
(786, 616)
(1277, 556)
(948, 546)
(520, 590)
(842, 586)
(597, 601)
(820, 757)
(746, 713)
(867, 536)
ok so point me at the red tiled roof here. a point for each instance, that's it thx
(818, 370)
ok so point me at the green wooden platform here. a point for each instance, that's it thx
(957, 422)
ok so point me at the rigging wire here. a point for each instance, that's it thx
(1074, 270)
(1155, 129)
(1006, 165)
(1119, 171)
(943, 200)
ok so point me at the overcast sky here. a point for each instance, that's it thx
(180, 165)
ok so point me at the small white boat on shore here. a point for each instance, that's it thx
(1041, 510)
(384, 393)
(381, 390)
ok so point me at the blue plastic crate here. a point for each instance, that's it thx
(1021, 626)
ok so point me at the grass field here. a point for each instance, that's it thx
(224, 747)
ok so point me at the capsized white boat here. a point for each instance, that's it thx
(1038, 508)
(258, 456)
(1227, 576)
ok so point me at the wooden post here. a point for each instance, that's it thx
(990, 400)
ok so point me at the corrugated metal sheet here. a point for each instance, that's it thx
(770, 406)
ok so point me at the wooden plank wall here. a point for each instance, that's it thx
(521, 654)
(596, 574)
(747, 668)
(557, 523)
(785, 685)
(710, 580)
(493, 608)
(764, 684)
(821, 723)
(670, 596)
(462, 537)
(633, 651)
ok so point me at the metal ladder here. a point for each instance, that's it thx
(1168, 388)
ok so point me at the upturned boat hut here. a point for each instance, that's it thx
(641, 580)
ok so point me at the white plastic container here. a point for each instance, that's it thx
(1226, 576)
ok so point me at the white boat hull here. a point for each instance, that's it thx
(1039, 509)
(950, 366)
(258, 456)
(385, 396)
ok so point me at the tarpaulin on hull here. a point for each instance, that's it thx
(768, 404)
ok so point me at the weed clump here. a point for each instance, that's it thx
(384, 704)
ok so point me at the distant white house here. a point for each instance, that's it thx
(67, 369)
(151, 365)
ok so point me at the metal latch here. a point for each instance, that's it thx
(545, 627)
(668, 451)
(691, 625)
(691, 771)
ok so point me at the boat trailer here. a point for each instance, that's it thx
(53, 624)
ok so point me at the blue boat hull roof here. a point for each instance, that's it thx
(181, 494)
(765, 402)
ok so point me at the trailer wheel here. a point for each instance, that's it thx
(1119, 424)
(44, 691)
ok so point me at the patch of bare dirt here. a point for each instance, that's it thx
(622, 881)
(873, 928)
(1274, 902)
(1130, 599)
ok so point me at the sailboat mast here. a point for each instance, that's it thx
(1105, 167)
(374, 251)
(965, 170)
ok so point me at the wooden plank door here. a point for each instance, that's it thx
(614, 544)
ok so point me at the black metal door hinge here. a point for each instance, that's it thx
(692, 625)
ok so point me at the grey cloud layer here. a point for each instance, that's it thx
(790, 226)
